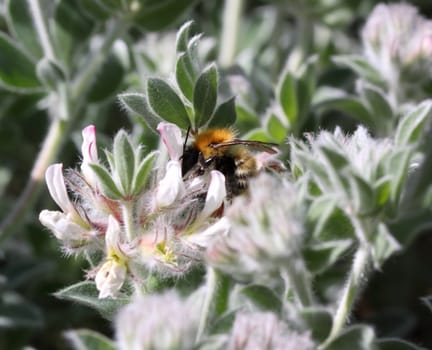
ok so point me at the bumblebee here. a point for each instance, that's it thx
(219, 149)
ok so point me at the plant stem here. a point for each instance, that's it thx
(46, 155)
(40, 26)
(296, 276)
(230, 30)
(128, 220)
(350, 293)
(215, 299)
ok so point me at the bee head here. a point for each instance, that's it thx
(211, 137)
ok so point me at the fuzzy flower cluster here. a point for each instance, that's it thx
(266, 230)
(264, 331)
(157, 322)
(143, 218)
(397, 38)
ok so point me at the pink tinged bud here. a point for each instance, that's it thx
(215, 195)
(57, 188)
(110, 278)
(88, 148)
(172, 138)
(89, 153)
(171, 186)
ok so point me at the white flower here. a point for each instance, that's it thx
(171, 186)
(111, 276)
(219, 229)
(57, 188)
(89, 153)
(172, 138)
(216, 194)
(62, 226)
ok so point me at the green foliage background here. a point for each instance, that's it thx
(91, 71)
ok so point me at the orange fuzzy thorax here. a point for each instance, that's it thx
(212, 137)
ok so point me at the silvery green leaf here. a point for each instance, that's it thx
(185, 75)
(137, 104)
(361, 67)
(263, 297)
(383, 245)
(327, 98)
(379, 107)
(186, 31)
(225, 114)
(124, 161)
(50, 73)
(362, 195)
(72, 20)
(287, 97)
(158, 14)
(17, 71)
(107, 184)
(142, 173)
(321, 256)
(205, 95)
(396, 164)
(166, 103)
(85, 339)
(246, 117)
(20, 22)
(317, 320)
(86, 293)
(357, 337)
(276, 128)
(383, 190)
(411, 125)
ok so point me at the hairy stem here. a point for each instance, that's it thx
(297, 278)
(215, 299)
(230, 28)
(46, 155)
(352, 288)
(41, 29)
(128, 220)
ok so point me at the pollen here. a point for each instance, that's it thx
(205, 139)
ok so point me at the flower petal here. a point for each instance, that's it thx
(171, 137)
(110, 278)
(62, 226)
(57, 188)
(113, 235)
(171, 186)
(215, 195)
(219, 228)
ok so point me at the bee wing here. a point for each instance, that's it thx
(255, 145)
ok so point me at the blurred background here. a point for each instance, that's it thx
(102, 48)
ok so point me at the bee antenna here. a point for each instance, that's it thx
(186, 138)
